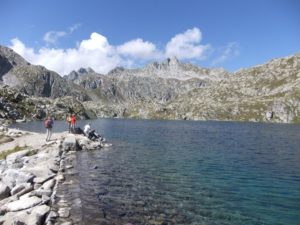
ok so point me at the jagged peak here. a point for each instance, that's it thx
(172, 60)
(116, 70)
(13, 58)
(85, 70)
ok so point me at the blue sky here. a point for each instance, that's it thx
(66, 35)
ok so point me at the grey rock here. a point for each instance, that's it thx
(16, 157)
(49, 184)
(14, 177)
(41, 180)
(22, 204)
(69, 143)
(45, 199)
(4, 191)
(60, 178)
(33, 216)
(40, 192)
(51, 216)
(67, 223)
(20, 188)
(64, 212)
(54, 168)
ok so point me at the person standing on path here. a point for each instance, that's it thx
(69, 119)
(73, 122)
(48, 125)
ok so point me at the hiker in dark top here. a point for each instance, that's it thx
(69, 119)
(91, 134)
(48, 125)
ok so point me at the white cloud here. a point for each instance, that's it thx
(230, 51)
(96, 52)
(186, 45)
(52, 36)
(139, 49)
(74, 27)
(19, 47)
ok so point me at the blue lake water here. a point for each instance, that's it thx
(186, 172)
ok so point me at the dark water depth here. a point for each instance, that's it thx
(184, 172)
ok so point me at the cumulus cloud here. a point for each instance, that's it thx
(139, 49)
(230, 51)
(96, 51)
(19, 47)
(187, 45)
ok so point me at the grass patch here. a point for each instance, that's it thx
(4, 154)
(4, 139)
(32, 152)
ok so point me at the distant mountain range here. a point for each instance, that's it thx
(165, 90)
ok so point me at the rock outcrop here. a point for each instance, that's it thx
(17, 106)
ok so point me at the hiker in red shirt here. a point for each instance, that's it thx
(73, 122)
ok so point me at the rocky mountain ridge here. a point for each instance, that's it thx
(34, 80)
(168, 90)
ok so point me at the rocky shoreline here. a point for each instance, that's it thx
(33, 178)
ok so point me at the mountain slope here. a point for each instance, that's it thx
(34, 80)
(169, 89)
(157, 82)
(256, 94)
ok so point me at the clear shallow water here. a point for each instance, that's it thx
(184, 172)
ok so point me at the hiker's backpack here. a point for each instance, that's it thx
(48, 123)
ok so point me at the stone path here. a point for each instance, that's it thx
(31, 139)
(38, 185)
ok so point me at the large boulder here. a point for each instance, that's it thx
(22, 204)
(13, 177)
(33, 216)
